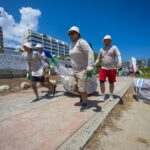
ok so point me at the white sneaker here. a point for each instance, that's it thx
(111, 97)
(102, 98)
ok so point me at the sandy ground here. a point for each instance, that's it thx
(126, 128)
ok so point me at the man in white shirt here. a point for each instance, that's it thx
(82, 61)
(107, 56)
(46, 64)
(35, 66)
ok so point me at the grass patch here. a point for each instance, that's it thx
(147, 76)
(144, 141)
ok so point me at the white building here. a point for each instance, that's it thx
(55, 46)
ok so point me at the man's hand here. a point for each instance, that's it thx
(28, 74)
(119, 65)
(89, 69)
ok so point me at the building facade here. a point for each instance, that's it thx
(55, 46)
(1, 40)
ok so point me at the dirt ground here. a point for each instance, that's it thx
(14, 83)
(126, 128)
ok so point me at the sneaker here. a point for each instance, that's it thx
(84, 106)
(102, 98)
(36, 99)
(111, 97)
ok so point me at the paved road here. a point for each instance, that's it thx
(45, 124)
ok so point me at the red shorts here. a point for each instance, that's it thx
(111, 74)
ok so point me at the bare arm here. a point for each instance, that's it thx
(47, 61)
(28, 66)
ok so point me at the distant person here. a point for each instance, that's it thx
(107, 56)
(137, 74)
(82, 61)
(131, 70)
(120, 71)
(35, 67)
(126, 71)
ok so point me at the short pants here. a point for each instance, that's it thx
(79, 80)
(37, 79)
(111, 74)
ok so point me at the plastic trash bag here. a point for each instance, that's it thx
(142, 89)
(65, 73)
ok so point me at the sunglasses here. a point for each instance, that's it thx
(71, 33)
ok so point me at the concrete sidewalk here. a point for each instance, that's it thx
(49, 123)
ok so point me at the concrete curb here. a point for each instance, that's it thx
(78, 140)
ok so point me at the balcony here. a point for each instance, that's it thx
(48, 43)
(35, 34)
(49, 47)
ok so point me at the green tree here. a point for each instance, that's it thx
(95, 55)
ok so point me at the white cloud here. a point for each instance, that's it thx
(13, 31)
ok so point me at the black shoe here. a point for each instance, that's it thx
(84, 106)
(35, 100)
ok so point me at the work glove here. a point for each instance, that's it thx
(28, 75)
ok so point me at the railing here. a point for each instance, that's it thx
(18, 62)
(8, 61)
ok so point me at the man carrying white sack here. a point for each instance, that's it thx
(107, 56)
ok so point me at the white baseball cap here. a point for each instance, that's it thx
(39, 45)
(28, 44)
(74, 28)
(107, 37)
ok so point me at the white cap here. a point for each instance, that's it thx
(39, 45)
(107, 37)
(74, 28)
(28, 44)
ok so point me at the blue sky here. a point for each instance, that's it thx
(127, 21)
